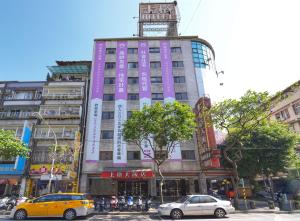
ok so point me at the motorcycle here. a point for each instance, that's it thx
(122, 203)
(139, 204)
(113, 203)
(130, 202)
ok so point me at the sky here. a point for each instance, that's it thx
(256, 41)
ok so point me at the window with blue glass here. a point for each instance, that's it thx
(201, 55)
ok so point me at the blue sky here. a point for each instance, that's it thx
(256, 42)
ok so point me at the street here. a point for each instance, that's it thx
(232, 217)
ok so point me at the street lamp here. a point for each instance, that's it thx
(55, 147)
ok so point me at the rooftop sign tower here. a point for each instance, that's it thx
(158, 19)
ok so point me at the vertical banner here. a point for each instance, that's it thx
(144, 90)
(168, 85)
(95, 107)
(26, 135)
(120, 151)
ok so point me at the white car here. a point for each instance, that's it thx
(196, 205)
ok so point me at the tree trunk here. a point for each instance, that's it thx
(271, 187)
(235, 182)
(161, 183)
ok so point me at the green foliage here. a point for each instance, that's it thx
(269, 148)
(62, 154)
(162, 126)
(10, 146)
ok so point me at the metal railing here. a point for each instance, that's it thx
(16, 115)
(61, 133)
(47, 112)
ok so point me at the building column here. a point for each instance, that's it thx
(83, 186)
(202, 183)
(191, 186)
(7, 189)
(152, 187)
(22, 186)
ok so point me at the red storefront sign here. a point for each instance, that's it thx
(131, 174)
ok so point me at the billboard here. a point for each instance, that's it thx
(157, 12)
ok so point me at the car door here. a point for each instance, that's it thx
(39, 206)
(56, 207)
(208, 205)
(192, 206)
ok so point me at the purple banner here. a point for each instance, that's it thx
(166, 69)
(121, 71)
(98, 70)
(144, 70)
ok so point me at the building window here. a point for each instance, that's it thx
(156, 80)
(107, 115)
(177, 64)
(110, 65)
(296, 108)
(106, 155)
(157, 96)
(155, 64)
(132, 50)
(285, 114)
(110, 50)
(196, 186)
(179, 79)
(107, 134)
(133, 80)
(176, 49)
(132, 65)
(133, 96)
(202, 55)
(129, 114)
(108, 97)
(188, 154)
(181, 96)
(277, 116)
(154, 50)
(109, 80)
(133, 155)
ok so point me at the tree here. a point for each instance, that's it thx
(11, 146)
(161, 127)
(239, 118)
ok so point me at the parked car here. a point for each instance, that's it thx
(66, 205)
(196, 205)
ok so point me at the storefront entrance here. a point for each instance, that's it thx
(133, 188)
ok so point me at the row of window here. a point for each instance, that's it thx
(155, 96)
(136, 155)
(135, 80)
(202, 55)
(285, 114)
(153, 64)
(135, 50)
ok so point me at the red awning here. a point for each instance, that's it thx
(128, 174)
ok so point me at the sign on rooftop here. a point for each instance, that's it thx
(157, 12)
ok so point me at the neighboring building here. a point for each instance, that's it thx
(128, 73)
(18, 103)
(61, 118)
(286, 107)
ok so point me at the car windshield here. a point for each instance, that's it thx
(182, 199)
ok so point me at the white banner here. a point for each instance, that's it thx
(120, 151)
(94, 130)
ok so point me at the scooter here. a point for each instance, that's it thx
(122, 203)
(113, 203)
(139, 204)
(130, 202)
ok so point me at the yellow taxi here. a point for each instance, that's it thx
(66, 205)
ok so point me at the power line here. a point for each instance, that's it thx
(194, 13)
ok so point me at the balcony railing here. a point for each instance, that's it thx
(16, 115)
(24, 96)
(17, 130)
(63, 94)
(60, 112)
(60, 132)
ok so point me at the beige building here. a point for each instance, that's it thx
(286, 107)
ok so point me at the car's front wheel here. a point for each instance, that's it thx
(220, 213)
(20, 214)
(70, 214)
(176, 214)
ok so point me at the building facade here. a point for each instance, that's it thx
(18, 103)
(60, 122)
(286, 107)
(127, 74)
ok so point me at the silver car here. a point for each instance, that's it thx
(196, 205)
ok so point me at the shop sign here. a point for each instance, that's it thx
(157, 12)
(47, 177)
(46, 169)
(131, 174)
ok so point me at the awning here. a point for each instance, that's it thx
(128, 174)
